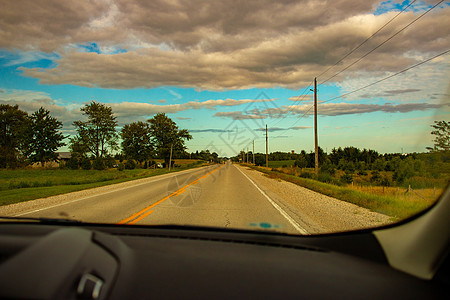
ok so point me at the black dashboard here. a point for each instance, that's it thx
(171, 262)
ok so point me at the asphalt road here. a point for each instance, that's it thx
(217, 195)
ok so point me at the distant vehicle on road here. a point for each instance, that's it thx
(159, 165)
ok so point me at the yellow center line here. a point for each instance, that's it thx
(145, 212)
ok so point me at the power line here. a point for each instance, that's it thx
(366, 40)
(303, 95)
(384, 42)
(366, 86)
(388, 77)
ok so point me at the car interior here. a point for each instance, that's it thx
(60, 259)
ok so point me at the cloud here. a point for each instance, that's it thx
(134, 109)
(238, 115)
(126, 112)
(220, 46)
(338, 109)
(301, 98)
(162, 101)
(31, 101)
(275, 129)
(390, 93)
(209, 130)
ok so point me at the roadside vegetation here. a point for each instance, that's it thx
(395, 184)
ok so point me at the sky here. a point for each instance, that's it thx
(225, 69)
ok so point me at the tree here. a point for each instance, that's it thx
(165, 134)
(12, 121)
(136, 141)
(98, 133)
(43, 137)
(301, 162)
(442, 136)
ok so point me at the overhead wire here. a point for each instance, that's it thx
(381, 44)
(366, 40)
(388, 77)
(302, 96)
(345, 56)
(366, 86)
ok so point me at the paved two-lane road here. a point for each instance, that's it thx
(217, 195)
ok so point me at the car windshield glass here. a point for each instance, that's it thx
(300, 117)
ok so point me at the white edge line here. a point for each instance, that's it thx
(277, 207)
(96, 195)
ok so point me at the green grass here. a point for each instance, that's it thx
(281, 163)
(28, 184)
(391, 206)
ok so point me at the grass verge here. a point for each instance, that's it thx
(23, 185)
(391, 206)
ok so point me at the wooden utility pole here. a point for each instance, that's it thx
(316, 142)
(170, 158)
(247, 154)
(267, 149)
(253, 152)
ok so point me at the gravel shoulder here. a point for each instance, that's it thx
(317, 213)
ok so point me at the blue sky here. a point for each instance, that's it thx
(225, 79)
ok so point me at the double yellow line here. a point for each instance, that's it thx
(146, 211)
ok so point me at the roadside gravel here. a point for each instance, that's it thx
(315, 212)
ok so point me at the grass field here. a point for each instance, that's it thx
(281, 163)
(28, 184)
(395, 202)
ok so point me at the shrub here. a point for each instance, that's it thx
(306, 175)
(98, 164)
(325, 177)
(130, 164)
(347, 178)
(375, 176)
(72, 163)
(109, 162)
(121, 167)
(85, 164)
(385, 181)
(328, 168)
(362, 173)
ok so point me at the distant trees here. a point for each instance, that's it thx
(442, 136)
(205, 155)
(98, 134)
(42, 137)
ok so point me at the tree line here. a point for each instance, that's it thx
(353, 160)
(35, 138)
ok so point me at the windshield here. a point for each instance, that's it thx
(300, 117)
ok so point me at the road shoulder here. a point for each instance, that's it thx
(316, 212)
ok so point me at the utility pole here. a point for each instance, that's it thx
(316, 142)
(243, 158)
(267, 149)
(253, 152)
(170, 158)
